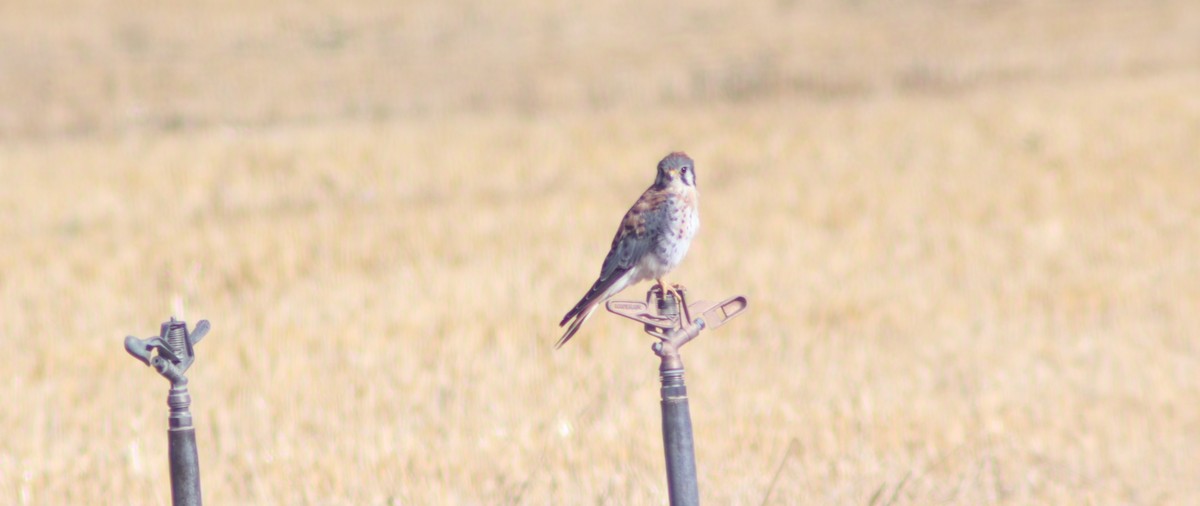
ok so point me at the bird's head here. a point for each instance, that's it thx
(676, 168)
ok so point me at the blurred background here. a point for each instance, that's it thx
(967, 230)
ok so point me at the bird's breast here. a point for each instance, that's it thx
(675, 226)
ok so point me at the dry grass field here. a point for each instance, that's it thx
(969, 232)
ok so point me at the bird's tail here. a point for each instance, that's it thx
(601, 291)
(571, 330)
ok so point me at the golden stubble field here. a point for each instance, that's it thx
(968, 231)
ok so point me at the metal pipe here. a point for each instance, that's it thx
(181, 444)
(677, 440)
(678, 444)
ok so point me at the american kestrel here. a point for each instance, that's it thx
(653, 238)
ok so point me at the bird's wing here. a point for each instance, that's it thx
(629, 245)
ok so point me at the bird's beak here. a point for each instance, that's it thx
(673, 172)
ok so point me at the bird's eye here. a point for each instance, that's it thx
(684, 170)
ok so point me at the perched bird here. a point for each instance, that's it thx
(653, 238)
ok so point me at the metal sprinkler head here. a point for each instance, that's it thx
(671, 319)
(172, 351)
